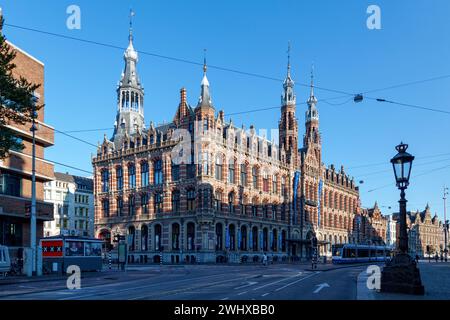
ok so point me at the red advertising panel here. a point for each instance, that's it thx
(52, 248)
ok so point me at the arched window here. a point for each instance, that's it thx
(265, 210)
(144, 203)
(255, 177)
(190, 200)
(144, 174)
(176, 201)
(119, 206)
(265, 182)
(119, 178)
(231, 171)
(274, 212)
(158, 202)
(254, 207)
(131, 176)
(219, 168)
(131, 205)
(243, 175)
(283, 212)
(105, 208)
(275, 184)
(218, 200)
(105, 181)
(283, 240)
(283, 186)
(175, 172)
(231, 202)
(158, 173)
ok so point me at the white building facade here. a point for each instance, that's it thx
(73, 205)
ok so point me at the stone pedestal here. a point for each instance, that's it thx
(401, 275)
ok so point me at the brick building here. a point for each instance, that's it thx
(425, 233)
(15, 169)
(375, 226)
(202, 188)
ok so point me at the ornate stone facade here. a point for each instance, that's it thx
(200, 188)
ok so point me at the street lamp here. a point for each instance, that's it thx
(402, 164)
(401, 274)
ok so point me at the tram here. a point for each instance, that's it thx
(353, 253)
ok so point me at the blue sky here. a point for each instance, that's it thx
(80, 79)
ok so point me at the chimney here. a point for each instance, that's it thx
(183, 96)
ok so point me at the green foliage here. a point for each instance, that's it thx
(16, 98)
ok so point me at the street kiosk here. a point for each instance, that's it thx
(59, 252)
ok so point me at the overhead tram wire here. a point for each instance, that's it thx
(172, 58)
(409, 105)
(73, 137)
(414, 176)
(387, 162)
(406, 84)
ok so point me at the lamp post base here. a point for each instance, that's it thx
(401, 275)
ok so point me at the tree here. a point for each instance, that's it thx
(16, 98)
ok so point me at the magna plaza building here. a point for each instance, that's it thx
(202, 189)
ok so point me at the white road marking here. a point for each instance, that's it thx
(242, 293)
(270, 283)
(321, 286)
(249, 283)
(224, 298)
(265, 294)
(291, 283)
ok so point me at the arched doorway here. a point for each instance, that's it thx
(274, 240)
(243, 243)
(190, 236)
(255, 238)
(219, 237)
(144, 238)
(308, 245)
(158, 233)
(131, 238)
(175, 236)
(232, 235)
(265, 240)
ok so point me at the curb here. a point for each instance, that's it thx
(341, 267)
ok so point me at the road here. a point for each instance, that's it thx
(202, 282)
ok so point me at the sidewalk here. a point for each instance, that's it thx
(435, 278)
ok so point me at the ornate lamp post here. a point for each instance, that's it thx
(401, 273)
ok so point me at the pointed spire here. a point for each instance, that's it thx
(130, 37)
(288, 96)
(205, 98)
(312, 99)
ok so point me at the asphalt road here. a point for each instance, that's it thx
(202, 282)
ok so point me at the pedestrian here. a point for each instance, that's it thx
(436, 257)
(442, 257)
(417, 258)
(264, 259)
